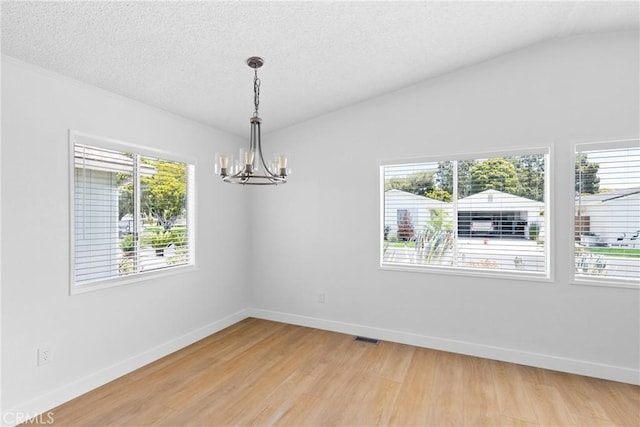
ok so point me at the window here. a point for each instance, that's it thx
(481, 214)
(132, 212)
(607, 212)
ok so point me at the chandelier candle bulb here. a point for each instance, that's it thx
(282, 161)
(282, 164)
(222, 164)
(248, 158)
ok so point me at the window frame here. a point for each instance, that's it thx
(77, 137)
(601, 281)
(547, 277)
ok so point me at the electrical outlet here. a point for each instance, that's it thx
(321, 297)
(44, 356)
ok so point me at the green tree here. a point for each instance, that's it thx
(439, 194)
(125, 200)
(530, 171)
(164, 193)
(125, 188)
(444, 177)
(496, 174)
(587, 180)
(416, 183)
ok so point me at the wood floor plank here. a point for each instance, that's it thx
(282, 399)
(551, 408)
(416, 391)
(621, 402)
(214, 387)
(446, 407)
(395, 360)
(306, 411)
(582, 397)
(376, 404)
(251, 395)
(217, 340)
(263, 373)
(512, 395)
(506, 421)
(105, 396)
(479, 393)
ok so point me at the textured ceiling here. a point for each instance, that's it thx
(189, 57)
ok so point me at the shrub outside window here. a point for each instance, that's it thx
(485, 213)
(132, 212)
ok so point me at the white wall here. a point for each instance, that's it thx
(320, 231)
(96, 336)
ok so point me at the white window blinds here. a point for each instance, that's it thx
(607, 211)
(485, 213)
(130, 214)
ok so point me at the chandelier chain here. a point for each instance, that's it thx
(256, 92)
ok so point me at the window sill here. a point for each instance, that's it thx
(607, 283)
(468, 272)
(75, 289)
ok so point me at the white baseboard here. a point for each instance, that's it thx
(43, 403)
(555, 363)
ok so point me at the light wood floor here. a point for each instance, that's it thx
(263, 373)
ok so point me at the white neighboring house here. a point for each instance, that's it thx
(493, 213)
(96, 195)
(610, 219)
(490, 213)
(398, 203)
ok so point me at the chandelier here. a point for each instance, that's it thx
(250, 168)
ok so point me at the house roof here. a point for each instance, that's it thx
(487, 200)
(405, 195)
(497, 200)
(608, 196)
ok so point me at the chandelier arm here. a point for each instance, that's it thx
(266, 168)
(253, 138)
(254, 180)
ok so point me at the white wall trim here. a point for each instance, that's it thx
(555, 363)
(63, 394)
